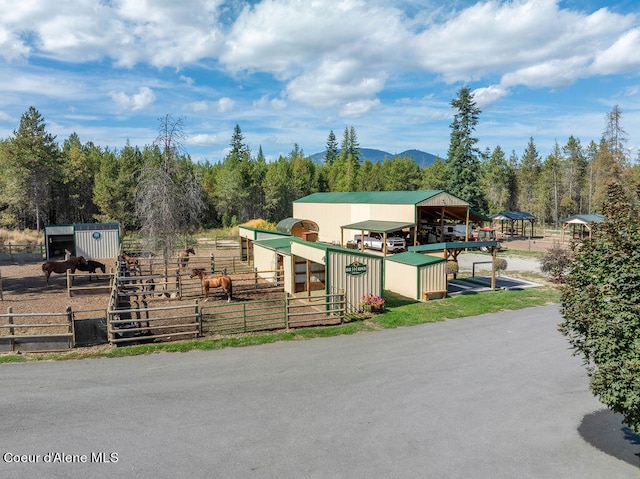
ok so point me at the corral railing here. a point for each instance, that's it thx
(209, 263)
(14, 250)
(36, 331)
(152, 324)
(97, 286)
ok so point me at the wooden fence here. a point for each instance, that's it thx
(99, 286)
(35, 331)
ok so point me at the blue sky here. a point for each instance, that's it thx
(290, 71)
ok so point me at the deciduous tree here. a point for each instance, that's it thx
(600, 305)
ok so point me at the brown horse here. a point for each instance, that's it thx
(213, 281)
(61, 266)
(183, 256)
(131, 263)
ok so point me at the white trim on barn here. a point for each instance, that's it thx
(248, 235)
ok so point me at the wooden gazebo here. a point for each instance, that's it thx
(580, 225)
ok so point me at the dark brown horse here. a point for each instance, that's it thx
(91, 266)
(61, 266)
(183, 256)
(213, 281)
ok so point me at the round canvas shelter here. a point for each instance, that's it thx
(305, 229)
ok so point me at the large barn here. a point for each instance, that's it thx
(340, 216)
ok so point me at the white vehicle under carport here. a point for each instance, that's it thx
(376, 241)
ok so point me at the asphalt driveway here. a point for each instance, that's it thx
(495, 396)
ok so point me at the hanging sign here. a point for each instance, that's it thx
(356, 268)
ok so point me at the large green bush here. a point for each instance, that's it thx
(601, 307)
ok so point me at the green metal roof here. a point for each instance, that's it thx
(371, 197)
(331, 247)
(378, 226)
(513, 215)
(280, 244)
(453, 245)
(414, 259)
(584, 219)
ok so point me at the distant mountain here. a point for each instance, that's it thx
(422, 158)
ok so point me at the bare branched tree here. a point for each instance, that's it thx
(168, 199)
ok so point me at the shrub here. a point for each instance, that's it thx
(452, 267)
(556, 263)
(500, 265)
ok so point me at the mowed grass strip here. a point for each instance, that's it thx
(399, 312)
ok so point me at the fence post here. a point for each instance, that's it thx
(244, 315)
(199, 317)
(69, 283)
(213, 269)
(255, 278)
(1, 298)
(286, 311)
(11, 330)
(72, 328)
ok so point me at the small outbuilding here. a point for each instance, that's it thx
(415, 275)
(91, 240)
(580, 225)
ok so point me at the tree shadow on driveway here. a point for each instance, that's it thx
(604, 430)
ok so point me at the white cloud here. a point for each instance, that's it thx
(359, 108)
(135, 102)
(489, 95)
(203, 139)
(187, 80)
(622, 56)
(225, 104)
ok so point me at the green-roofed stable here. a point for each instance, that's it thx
(425, 215)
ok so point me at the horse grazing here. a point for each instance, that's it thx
(61, 266)
(91, 266)
(131, 263)
(183, 256)
(213, 281)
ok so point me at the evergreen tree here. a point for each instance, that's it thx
(528, 174)
(463, 164)
(331, 153)
(75, 195)
(434, 176)
(495, 181)
(32, 171)
(574, 175)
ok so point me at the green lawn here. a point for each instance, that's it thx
(399, 312)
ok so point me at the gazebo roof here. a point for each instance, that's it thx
(513, 216)
(583, 219)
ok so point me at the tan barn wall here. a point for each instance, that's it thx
(265, 259)
(401, 278)
(433, 278)
(355, 287)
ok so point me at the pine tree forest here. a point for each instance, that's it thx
(46, 180)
